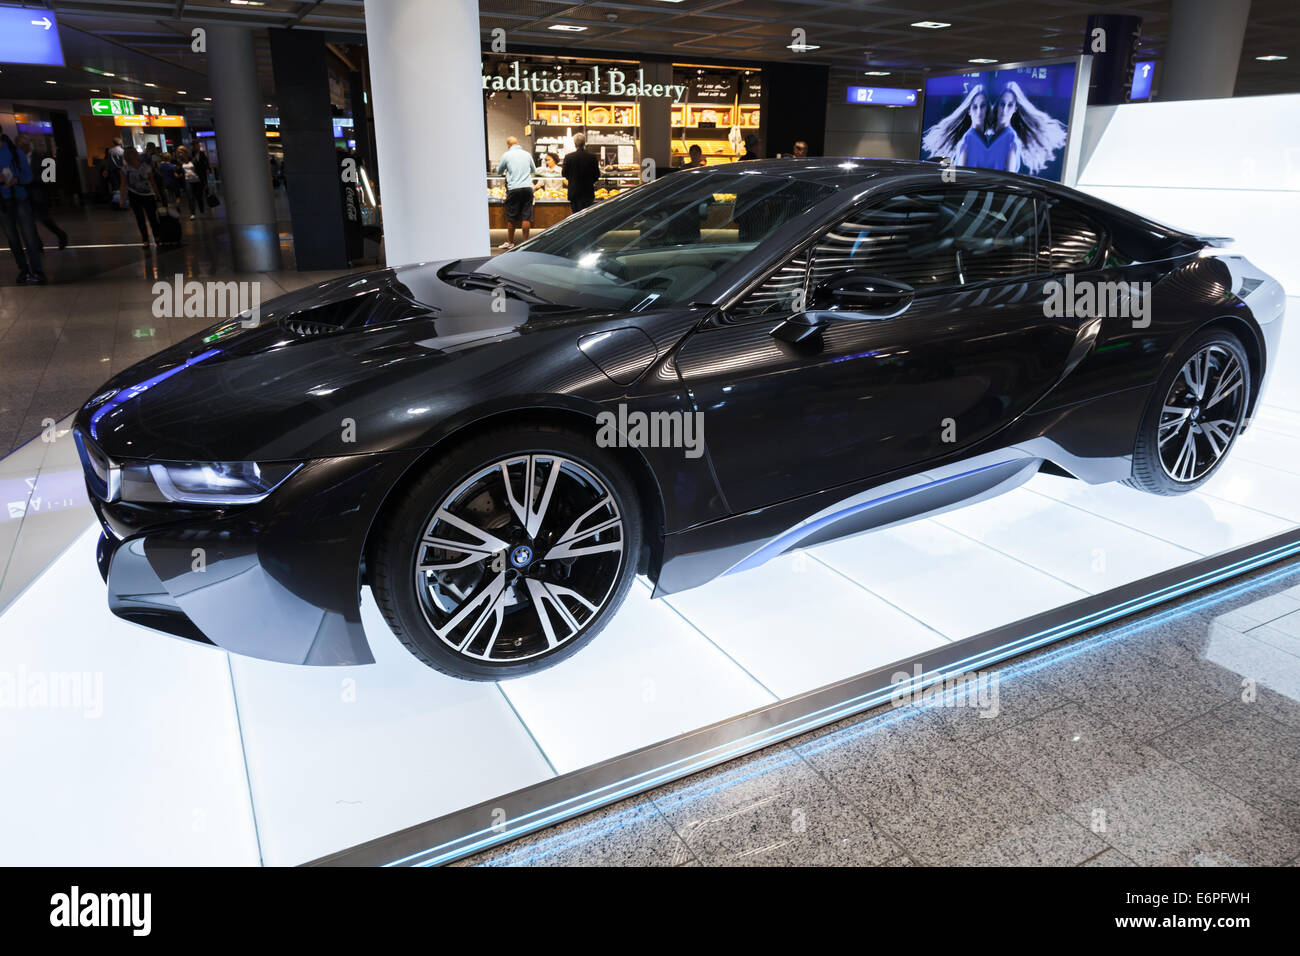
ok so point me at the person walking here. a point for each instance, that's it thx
(193, 186)
(517, 166)
(40, 196)
(116, 166)
(140, 191)
(169, 176)
(16, 212)
(203, 167)
(581, 170)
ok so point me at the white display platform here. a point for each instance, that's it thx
(200, 757)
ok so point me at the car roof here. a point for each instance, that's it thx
(859, 170)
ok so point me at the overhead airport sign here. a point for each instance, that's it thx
(881, 96)
(112, 107)
(29, 35)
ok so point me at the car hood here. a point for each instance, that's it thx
(289, 381)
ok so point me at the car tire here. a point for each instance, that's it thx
(466, 555)
(1183, 438)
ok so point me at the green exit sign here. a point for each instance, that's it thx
(112, 107)
(142, 333)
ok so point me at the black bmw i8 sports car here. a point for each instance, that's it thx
(685, 381)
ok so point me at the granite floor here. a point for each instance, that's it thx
(1168, 739)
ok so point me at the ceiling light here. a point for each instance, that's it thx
(109, 74)
(207, 99)
(877, 73)
(801, 47)
(52, 82)
(1271, 58)
(931, 24)
(94, 91)
(981, 59)
(151, 84)
(566, 27)
(182, 92)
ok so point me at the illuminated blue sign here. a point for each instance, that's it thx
(881, 96)
(1143, 71)
(29, 35)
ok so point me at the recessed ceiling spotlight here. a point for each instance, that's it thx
(110, 74)
(981, 59)
(182, 92)
(800, 48)
(877, 73)
(1271, 58)
(52, 82)
(566, 27)
(94, 91)
(151, 84)
(931, 24)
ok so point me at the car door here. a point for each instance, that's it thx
(864, 397)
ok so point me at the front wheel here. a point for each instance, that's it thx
(509, 554)
(1203, 397)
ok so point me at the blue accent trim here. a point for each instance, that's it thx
(132, 391)
(646, 780)
(794, 536)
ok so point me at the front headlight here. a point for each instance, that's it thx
(202, 483)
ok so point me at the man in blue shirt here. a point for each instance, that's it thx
(16, 212)
(518, 168)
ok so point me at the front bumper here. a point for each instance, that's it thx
(278, 580)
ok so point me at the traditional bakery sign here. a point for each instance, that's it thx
(599, 81)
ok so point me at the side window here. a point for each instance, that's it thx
(779, 293)
(1076, 240)
(935, 240)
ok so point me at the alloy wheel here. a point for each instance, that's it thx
(1202, 413)
(519, 558)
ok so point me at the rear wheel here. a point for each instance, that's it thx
(1185, 437)
(509, 554)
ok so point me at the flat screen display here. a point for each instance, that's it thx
(1013, 118)
(29, 35)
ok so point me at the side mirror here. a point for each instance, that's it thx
(859, 295)
(847, 296)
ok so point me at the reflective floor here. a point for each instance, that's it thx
(1173, 739)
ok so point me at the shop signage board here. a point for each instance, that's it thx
(880, 96)
(112, 107)
(597, 81)
(29, 35)
(751, 89)
(713, 89)
(130, 121)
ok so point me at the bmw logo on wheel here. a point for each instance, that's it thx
(521, 555)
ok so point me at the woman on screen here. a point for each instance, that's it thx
(1034, 136)
(959, 136)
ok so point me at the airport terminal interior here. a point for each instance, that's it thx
(896, 592)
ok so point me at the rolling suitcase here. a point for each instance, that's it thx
(169, 229)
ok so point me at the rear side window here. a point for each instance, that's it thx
(935, 240)
(1076, 239)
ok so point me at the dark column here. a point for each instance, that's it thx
(1112, 69)
(794, 107)
(360, 126)
(656, 117)
(298, 58)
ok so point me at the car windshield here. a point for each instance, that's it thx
(659, 244)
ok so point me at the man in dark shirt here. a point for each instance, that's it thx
(581, 170)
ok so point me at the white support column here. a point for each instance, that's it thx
(425, 69)
(1203, 49)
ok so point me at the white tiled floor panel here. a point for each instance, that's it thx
(204, 758)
